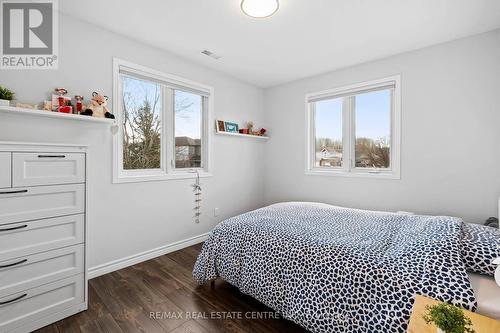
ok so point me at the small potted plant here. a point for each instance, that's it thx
(448, 319)
(5, 96)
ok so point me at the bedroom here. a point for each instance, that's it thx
(361, 133)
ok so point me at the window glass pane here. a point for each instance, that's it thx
(373, 129)
(141, 124)
(188, 113)
(328, 134)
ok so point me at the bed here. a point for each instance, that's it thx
(335, 269)
(487, 294)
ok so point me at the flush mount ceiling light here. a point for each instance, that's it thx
(259, 8)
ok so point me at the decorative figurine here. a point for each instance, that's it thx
(62, 101)
(47, 106)
(98, 107)
(250, 127)
(79, 104)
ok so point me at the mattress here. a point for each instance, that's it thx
(487, 294)
(333, 269)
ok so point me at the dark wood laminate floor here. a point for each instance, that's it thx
(123, 300)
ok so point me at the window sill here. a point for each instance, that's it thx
(156, 178)
(356, 174)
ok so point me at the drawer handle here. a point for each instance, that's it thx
(14, 264)
(14, 192)
(14, 228)
(51, 156)
(13, 300)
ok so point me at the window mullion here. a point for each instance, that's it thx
(312, 135)
(168, 130)
(352, 132)
(119, 119)
(392, 142)
(204, 135)
(346, 133)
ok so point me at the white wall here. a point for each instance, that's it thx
(450, 134)
(126, 219)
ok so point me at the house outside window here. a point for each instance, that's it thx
(187, 152)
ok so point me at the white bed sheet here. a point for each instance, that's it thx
(487, 294)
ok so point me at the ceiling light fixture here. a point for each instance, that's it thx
(259, 8)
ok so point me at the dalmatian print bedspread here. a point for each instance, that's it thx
(334, 269)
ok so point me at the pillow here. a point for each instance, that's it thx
(480, 247)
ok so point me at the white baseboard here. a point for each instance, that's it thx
(143, 256)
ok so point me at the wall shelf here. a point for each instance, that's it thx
(48, 114)
(243, 135)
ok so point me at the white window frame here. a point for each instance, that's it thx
(167, 170)
(348, 168)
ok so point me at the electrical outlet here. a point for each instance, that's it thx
(216, 212)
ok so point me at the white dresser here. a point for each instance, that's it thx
(42, 234)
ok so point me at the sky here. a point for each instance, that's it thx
(187, 117)
(141, 90)
(329, 119)
(372, 116)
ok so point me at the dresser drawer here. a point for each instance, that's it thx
(22, 239)
(39, 202)
(34, 304)
(5, 175)
(30, 169)
(28, 272)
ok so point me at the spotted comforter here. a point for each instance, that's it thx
(333, 269)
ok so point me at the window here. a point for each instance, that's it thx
(162, 122)
(355, 130)
(141, 123)
(328, 138)
(188, 128)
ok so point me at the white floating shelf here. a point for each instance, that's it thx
(49, 114)
(243, 135)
